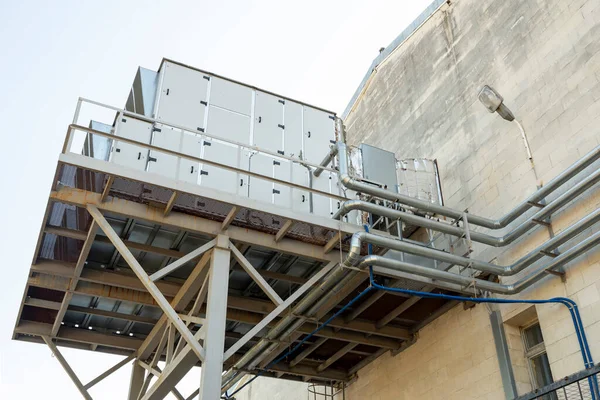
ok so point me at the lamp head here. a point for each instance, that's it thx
(493, 102)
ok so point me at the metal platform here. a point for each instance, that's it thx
(132, 263)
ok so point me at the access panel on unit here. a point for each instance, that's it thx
(319, 134)
(191, 144)
(268, 122)
(162, 163)
(216, 177)
(182, 97)
(130, 155)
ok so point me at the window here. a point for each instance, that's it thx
(537, 359)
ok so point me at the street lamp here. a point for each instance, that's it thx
(493, 102)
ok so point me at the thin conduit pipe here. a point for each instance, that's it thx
(310, 313)
(481, 221)
(282, 325)
(354, 257)
(570, 304)
(512, 269)
(553, 185)
(528, 280)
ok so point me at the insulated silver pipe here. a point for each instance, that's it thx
(466, 281)
(539, 195)
(328, 158)
(479, 237)
(287, 325)
(392, 243)
(310, 313)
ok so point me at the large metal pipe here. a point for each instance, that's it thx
(460, 231)
(493, 287)
(502, 222)
(310, 313)
(328, 158)
(523, 228)
(283, 329)
(407, 247)
(287, 325)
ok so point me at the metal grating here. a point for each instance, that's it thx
(582, 385)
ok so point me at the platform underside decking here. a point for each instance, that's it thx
(101, 305)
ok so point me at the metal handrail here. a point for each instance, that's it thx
(148, 146)
(564, 382)
(186, 129)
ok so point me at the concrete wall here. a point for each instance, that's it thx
(274, 389)
(543, 57)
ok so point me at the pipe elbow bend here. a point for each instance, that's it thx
(345, 208)
(355, 249)
(508, 271)
(367, 261)
(350, 205)
(345, 179)
(512, 289)
(503, 241)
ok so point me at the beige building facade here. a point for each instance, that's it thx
(420, 100)
(543, 57)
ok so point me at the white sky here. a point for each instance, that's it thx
(52, 52)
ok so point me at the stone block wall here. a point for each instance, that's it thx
(544, 59)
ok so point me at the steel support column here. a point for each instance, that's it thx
(136, 381)
(216, 315)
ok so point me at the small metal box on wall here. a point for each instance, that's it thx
(379, 166)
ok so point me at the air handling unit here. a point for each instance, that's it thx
(234, 124)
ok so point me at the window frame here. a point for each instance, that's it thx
(533, 352)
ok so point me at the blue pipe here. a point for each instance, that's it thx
(570, 304)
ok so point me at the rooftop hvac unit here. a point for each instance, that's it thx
(233, 124)
(267, 140)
